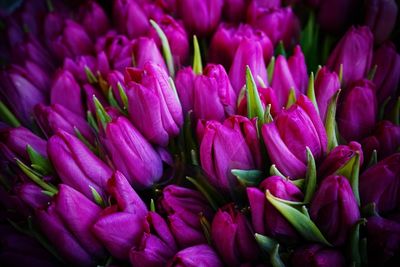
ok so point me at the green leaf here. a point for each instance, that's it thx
(351, 171)
(395, 114)
(111, 99)
(254, 105)
(173, 87)
(7, 116)
(291, 98)
(84, 140)
(372, 72)
(152, 205)
(311, 92)
(354, 243)
(267, 114)
(248, 177)
(197, 65)
(364, 252)
(273, 171)
(301, 222)
(266, 243)
(340, 74)
(166, 48)
(39, 162)
(90, 76)
(276, 258)
(206, 227)
(369, 210)
(280, 49)
(311, 177)
(270, 69)
(330, 122)
(374, 158)
(261, 82)
(122, 94)
(101, 113)
(91, 121)
(298, 182)
(209, 192)
(96, 197)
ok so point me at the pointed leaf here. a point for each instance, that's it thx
(248, 177)
(372, 72)
(298, 182)
(84, 140)
(330, 122)
(291, 98)
(273, 170)
(270, 69)
(91, 121)
(254, 105)
(280, 49)
(90, 76)
(152, 206)
(101, 113)
(39, 162)
(206, 227)
(267, 114)
(351, 171)
(197, 65)
(354, 243)
(209, 192)
(311, 177)
(276, 258)
(7, 116)
(395, 114)
(166, 48)
(374, 158)
(311, 92)
(122, 94)
(96, 197)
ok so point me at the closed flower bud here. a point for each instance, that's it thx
(287, 137)
(76, 165)
(267, 97)
(145, 50)
(184, 82)
(233, 10)
(200, 255)
(380, 184)
(154, 108)
(354, 52)
(93, 18)
(33, 195)
(129, 18)
(78, 65)
(325, 86)
(315, 255)
(357, 113)
(334, 209)
(265, 218)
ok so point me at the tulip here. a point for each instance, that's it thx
(93, 19)
(125, 145)
(233, 10)
(76, 165)
(184, 207)
(157, 245)
(387, 74)
(338, 157)
(315, 255)
(113, 78)
(154, 108)
(227, 38)
(78, 65)
(279, 24)
(54, 117)
(380, 184)
(120, 226)
(380, 17)
(291, 74)
(33, 73)
(257, 5)
(267, 97)
(293, 130)
(357, 114)
(200, 255)
(145, 50)
(233, 153)
(354, 52)
(199, 16)
(33, 196)
(233, 237)
(66, 91)
(383, 241)
(334, 209)
(130, 18)
(184, 82)
(67, 223)
(265, 218)
(325, 86)
(250, 54)
(91, 91)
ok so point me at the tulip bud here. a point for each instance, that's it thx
(233, 237)
(334, 209)
(76, 165)
(338, 157)
(265, 218)
(233, 153)
(293, 130)
(380, 184)
(380, 17)
(227, 38)
(315, 255)
(130, 18)
(145, 50)
(248, 53)
(325, 86)
(233, 10)
(184, 82)
(157, 245)
(267, 97)
(383, 240)
(387, 74)
(357, 113)
(200, 255)
(154, 108)
(77, 67)
(199, 16)
(354, 52)
(33, 73)
(120, 226)
(32, 195)
(93, 18)
(126, 145)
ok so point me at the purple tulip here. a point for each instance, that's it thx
(66, 91)
(338, 157)
(184, 82)
(383, 240)
(120, 225)
(76, 165)
(232, 10)
(258, 5)
(265, 218)
(289, 74)
(154, 108)
(380, 184)
(325, 86)
(33, 73)
(200, 17)
(125, 145)
(112, 79)
(354, 52)
(387, 74)
(248, 53)
(233, 237)
(334, 209)
(33, 195)
(68, 230)
(380, 17)
(233, 153)
(130, 18)
(267, 97)
(157, 245)
(279, 24)
(77, 66)
(357, 114)
(93, 19)
(90, 91)
(145, 50)
(200, 255)
(227, 38)
(315, 255)
(293, 130)
(184, 207)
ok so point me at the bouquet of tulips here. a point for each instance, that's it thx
(199, 133)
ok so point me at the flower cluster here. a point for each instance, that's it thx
(199, 133)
